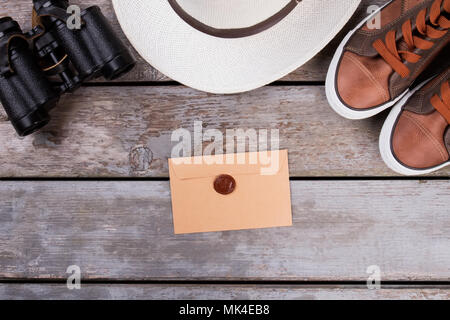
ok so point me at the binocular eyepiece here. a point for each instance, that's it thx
(74, 55)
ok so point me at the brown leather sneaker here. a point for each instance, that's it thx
(373, 69)
(415, 138)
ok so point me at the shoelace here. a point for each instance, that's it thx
(439, 28)
(442, 103)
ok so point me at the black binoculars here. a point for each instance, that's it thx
(28, 89)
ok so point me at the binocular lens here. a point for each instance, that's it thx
(116, 57)
(31, 123)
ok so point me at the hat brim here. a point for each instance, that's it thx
(220, 65)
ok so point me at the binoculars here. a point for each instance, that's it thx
(30, 62)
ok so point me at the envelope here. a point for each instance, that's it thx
(257, 197)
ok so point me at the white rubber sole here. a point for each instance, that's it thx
(330, 85)
(385, 141)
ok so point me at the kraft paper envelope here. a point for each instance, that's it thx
(261, 197)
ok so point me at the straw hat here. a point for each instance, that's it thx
(229, 46)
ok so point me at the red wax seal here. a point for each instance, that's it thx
(224, 184)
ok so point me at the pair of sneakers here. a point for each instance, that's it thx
(378, 68)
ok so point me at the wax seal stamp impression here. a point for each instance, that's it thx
(224, 184)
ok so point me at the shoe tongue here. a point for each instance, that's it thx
(402, 45)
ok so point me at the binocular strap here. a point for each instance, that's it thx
(55, 12)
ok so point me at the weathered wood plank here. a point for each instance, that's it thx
(123, 230)
(315, 70)
(126, 131)
(216, 292)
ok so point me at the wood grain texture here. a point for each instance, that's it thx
(123, 230)
(315, 70)
(126, 131)
(217, 292)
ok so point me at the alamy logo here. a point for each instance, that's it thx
(74, 280)
(206, 143)
(374, 280)
(74, 20)
(375, 22)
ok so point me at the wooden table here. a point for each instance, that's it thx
(92, 190)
